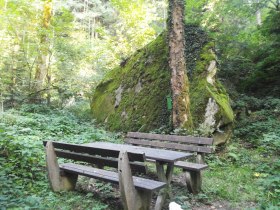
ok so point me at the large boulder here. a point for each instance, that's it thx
(133, 97)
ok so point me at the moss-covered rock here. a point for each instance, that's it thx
(210, 104)
(139, 87)
(132, 97)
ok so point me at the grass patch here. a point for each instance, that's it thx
(231, 183)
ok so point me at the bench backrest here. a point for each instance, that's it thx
(174, 142)
(97, 156)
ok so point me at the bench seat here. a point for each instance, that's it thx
(190, 166)
(186, 165)
(110, 176)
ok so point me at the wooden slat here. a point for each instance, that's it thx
(186, 165)
(172, 138)
(152, 153)
(85, 149)
(175, 146)
(100, 161)
(140, 183)
(190, 166)
(135, 156)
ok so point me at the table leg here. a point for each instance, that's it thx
(164, 177)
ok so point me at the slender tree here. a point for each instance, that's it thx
(43, 57)
(181, 116)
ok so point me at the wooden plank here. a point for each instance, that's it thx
(163, 192)
(100, 161)
(53, 168)
(186, 165)
(175, 146)
(172, 138)
(135, 156)
(190, 166)
(85, 149)
(194, 181)
(152, 153)
(140, 183)
(57, 182)
(129, 195)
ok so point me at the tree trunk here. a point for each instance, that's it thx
(43, 57)
(259, 17)
(13, 85)
(181, 116)
(49, 89)
(258, 14)
(1, 103)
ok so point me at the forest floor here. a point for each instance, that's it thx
(110, 195)
(238, 177)
(225, 205)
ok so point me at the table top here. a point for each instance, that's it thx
(151, 153)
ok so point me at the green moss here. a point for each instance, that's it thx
(223, 101)
(199, 99)
(144, 110)
(103, 102)
(201, 91)
(205, 57)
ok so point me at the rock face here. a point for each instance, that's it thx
(133, 96)
(210, 104)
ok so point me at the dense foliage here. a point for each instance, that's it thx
(22, 176)
(73, 43)
(264, 80)
(82, 41)
(237, 175)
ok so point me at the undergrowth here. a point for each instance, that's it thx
(246, 171)
(258, 129)
(23, 180)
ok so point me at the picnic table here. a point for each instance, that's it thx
(161, 156)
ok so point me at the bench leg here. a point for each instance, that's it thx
(200, 158)
(57, 180)
(132, 199)
(193, 181)
(164, 177)
(146, 199)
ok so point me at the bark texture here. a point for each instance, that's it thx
(181, 116)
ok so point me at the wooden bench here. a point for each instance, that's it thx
(198, 145)
(136, 192)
